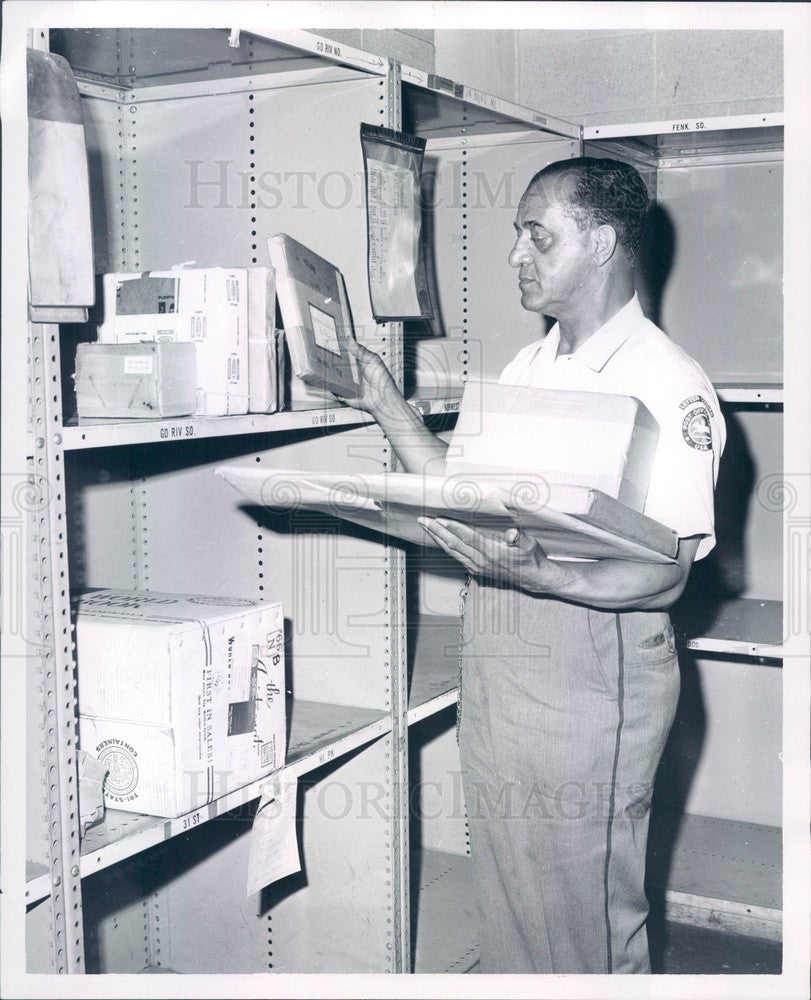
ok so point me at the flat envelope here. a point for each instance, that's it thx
(571, 522)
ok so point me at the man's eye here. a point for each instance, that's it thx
(541, 241)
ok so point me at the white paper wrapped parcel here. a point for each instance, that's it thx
(569, 521)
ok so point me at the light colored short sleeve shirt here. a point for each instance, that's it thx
(631, 356)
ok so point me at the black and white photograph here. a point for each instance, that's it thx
(406, 499)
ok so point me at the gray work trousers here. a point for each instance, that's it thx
(564, 712)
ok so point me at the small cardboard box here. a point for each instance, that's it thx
(598, 440)
(181, 698)
(262, 360)
(206, 306)
(136, 380)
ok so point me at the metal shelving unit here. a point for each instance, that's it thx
(138, 88)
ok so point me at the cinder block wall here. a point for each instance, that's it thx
(594, 77)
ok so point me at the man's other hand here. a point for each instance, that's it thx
(513, 558)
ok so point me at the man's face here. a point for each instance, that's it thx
(554, 257)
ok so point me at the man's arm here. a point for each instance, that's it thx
(416, 447)
(608, 584)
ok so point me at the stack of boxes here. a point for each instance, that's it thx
(187, 341)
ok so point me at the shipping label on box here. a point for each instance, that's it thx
(204, 306)
(182, 697)
(598, 440)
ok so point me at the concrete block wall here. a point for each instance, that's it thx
(599, 76)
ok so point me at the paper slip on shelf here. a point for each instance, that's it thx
(569, 521)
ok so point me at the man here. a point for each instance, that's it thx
(567, 700)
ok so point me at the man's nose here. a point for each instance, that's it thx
(520, 252)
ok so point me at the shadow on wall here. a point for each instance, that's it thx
(719, 577)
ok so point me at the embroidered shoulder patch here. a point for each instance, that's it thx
(695, 428)
(696, 399)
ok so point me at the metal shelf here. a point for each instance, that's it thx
(730, 392)
(750, 392)
(319, 733)
(453, 108)
(443, 917)
(741, 627)
(430, 407)
(727, 872)
(678, 129)
(102, 434)
(435, 666)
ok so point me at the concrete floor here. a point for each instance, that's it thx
(691, 950)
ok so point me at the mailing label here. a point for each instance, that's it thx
(232, 290)
(243, 671)
(325, 332)
(274, 848)
(233, 369)
(198, 327)
(145, 295)
(139, 364)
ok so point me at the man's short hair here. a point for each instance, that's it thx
(603, 192)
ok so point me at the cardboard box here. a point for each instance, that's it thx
(204, 306)
(181, 698)
(262, 359)
(136, 380)
(598, 440)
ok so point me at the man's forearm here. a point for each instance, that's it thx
(416, 447)
(611, 584)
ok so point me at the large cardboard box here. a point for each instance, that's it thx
(598, 440)
(182, 698)
(206, 306)
(135, 380)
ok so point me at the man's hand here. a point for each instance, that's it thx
(415, 446)
(378, 389)
(514, 558)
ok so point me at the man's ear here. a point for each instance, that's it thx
(605, 243)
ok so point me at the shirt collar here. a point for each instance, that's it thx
(604, 342)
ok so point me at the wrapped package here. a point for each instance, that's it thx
(316, 317)
(181, 698)
(598, 440)
(120, 381)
